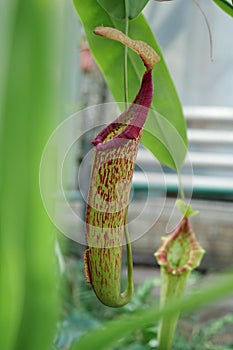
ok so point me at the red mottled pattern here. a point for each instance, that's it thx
(106, 210)
(112, 171)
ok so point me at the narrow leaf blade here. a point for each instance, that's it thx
(225, 6)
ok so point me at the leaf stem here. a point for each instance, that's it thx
(172, 289)
(126, 55)
(181, 189)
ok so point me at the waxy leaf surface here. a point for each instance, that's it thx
(117, 8)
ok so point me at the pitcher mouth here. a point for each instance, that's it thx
(130, 123)
(180, 251)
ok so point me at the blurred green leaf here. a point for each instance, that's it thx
(117, 329)
(29, 52)
(116, 8)
(225, 6)
(162, 133)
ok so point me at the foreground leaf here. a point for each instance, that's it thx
(107, 336)
(29, 53)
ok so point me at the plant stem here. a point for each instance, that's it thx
(126, 55)
(181, 189)
(172, 289)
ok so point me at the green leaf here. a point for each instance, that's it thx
(116, 8)
(225, 6)
(110, 57)
(136, 7)
(185, 208)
